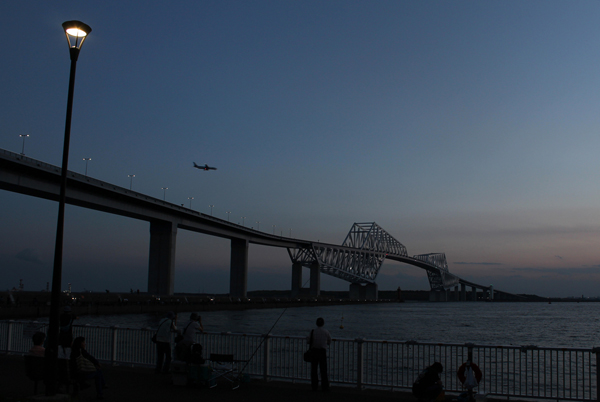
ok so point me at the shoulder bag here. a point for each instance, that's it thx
(84, 364)
(309, 355)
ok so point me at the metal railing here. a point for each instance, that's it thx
(510, 371)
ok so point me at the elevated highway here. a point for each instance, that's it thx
(357, 260)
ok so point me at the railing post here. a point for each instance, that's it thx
(596, 351)
(266, 357)
(469, 346)
(9, 336)
(113, 357)
(360, 348)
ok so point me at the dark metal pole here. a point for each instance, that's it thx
(54, 324)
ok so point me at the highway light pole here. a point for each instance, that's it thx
(23, 136)
(164, 189)
(86, 162)
(76, 32)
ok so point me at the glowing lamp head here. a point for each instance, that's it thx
(76, 32)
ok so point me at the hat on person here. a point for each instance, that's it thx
(193, 316)
(67, 309)
(170, 315)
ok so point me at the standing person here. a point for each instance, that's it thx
(318, 341)
(65, 335)
(86, 366)
(183, 348)
(428, 385)
(163, 342)
(195, 325)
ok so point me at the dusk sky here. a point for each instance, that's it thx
(464, 127)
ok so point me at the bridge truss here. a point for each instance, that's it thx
(439, 278)
(359, 258)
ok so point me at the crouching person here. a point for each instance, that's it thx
(428, 386)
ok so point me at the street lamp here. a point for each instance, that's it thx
(131, 176)
(164, 189)
(227, 212)
(190, 198)
(211, 207)
(76, 32)
(274, 229)
(257, 225)
(23, 136)
(86, 162)
(243, 221)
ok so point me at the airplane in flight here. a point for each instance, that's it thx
(205, 167)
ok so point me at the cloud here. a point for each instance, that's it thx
(478, 263)
(595, 269)
(29, 255)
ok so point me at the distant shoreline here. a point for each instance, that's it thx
(27, 305)
(37, 304)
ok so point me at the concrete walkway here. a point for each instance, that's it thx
(127, 384)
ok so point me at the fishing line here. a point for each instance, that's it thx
(265, 338)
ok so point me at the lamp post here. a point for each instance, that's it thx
(228, 213)
(211, 207)
(258, 225)
(243, 221)
(86, 162)
(190, 198)
(131, 176)
(23, 148)
(164, 189)
(274, 226)
(76, 32)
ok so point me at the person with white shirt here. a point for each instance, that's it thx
(319, 340)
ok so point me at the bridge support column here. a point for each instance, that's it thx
(371, 291)
(161, 262)
(355, 291)
(238, 273)
(463, 292)
(491, 292)
(473, 294)
(438, 295)
(296, 279)
(315, 279)
(456, 294)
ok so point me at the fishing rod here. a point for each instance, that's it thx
(264, 338)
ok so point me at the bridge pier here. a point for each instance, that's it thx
(315, 279)
(296, 279)
(370, 291)
(161, 262)
(473, 293)
(463, 292)
(238, 273)
(438, 295)
(456, 294)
